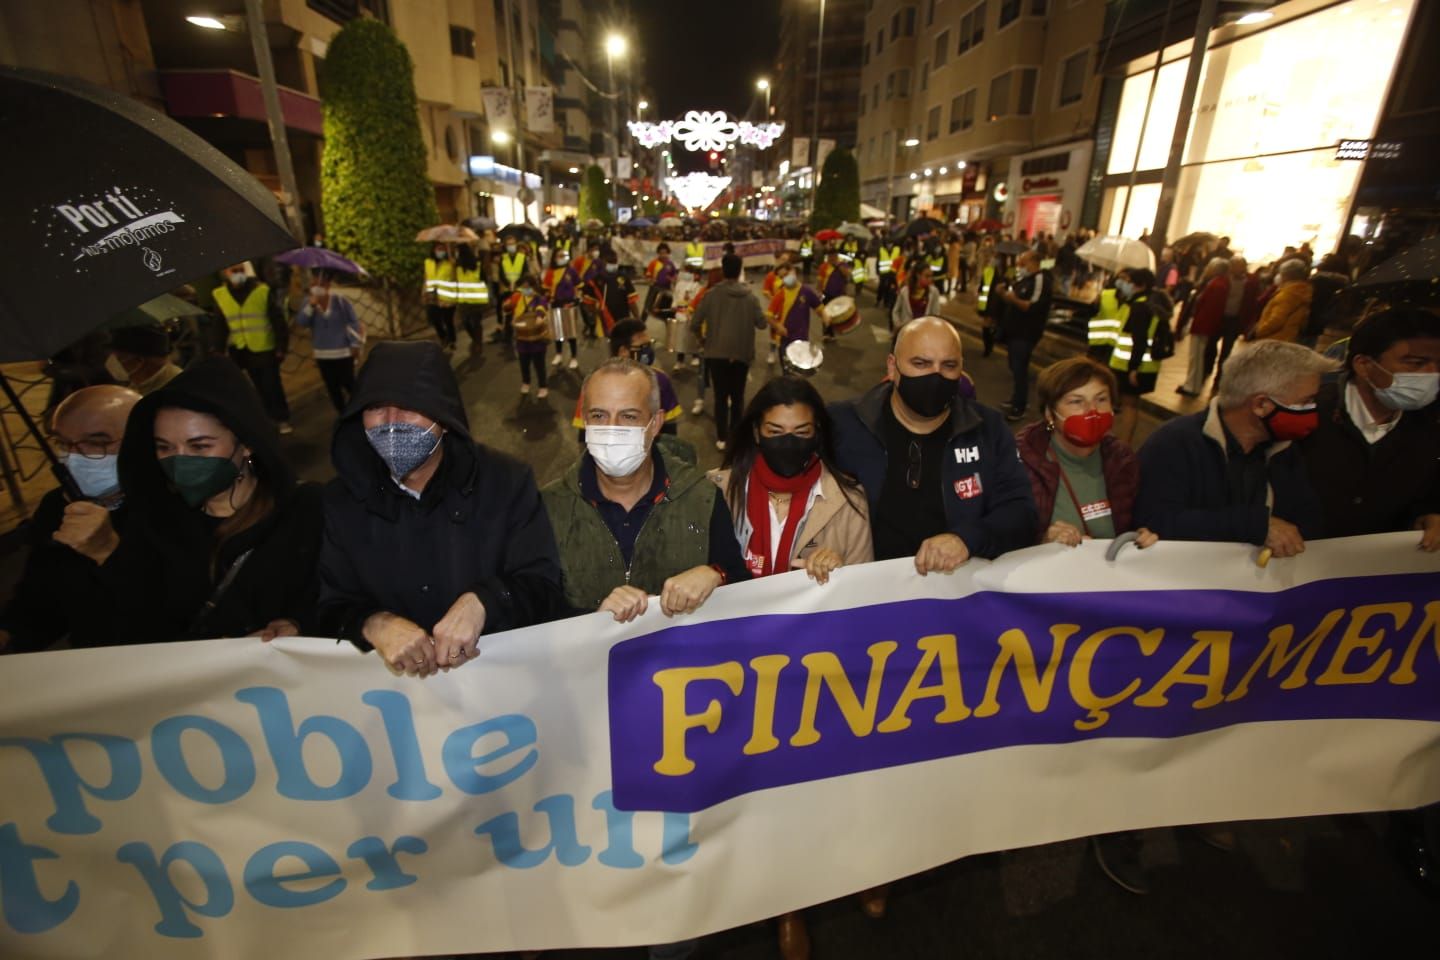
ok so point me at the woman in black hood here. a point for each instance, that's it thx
(220, 540)
(431, 539)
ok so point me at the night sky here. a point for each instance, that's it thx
(707, 54)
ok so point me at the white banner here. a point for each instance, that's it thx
(499, 106)
(799, 152)
(540, 109)
(822, 152)
(232, 799)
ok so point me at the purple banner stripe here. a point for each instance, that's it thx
(706, 712)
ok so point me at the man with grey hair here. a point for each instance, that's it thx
(1233, 472)
(1286, 312)
(634, 517)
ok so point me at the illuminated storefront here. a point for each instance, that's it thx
(1047, 189)
(1275, 100)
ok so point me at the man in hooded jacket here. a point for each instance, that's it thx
(431, 539)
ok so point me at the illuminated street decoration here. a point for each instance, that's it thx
(705, 130)
(698, 189)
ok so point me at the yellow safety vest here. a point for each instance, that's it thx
(987, 277)
(249, 322)
(470, 287)
(513, 266)
(888, 256)
(1125, 347)
(857, 273)
(805, 248)
(1104, 328)
(440, 279)
(694, 254)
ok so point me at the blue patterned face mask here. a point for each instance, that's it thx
(403, 446)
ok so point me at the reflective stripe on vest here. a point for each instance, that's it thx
(1109, 320)
(694, 254)
(440, 279)
(857, 274)
(470, 288)
(887, 259)
(1125, 348)
(513, 266)
(249, 322)
(806, 249)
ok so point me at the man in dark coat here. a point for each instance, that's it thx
(60, 593)
(1233, 472)
(1027, 306)
(431, 539)
(1375, 458)
(940, 470)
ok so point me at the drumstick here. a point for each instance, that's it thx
(1264, 558)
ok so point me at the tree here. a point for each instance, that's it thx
(594, 196)
(838, 196)
(375, 192)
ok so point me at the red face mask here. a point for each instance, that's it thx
(1087, 429)
(1291, 423)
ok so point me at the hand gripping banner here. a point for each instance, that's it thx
(591, 784)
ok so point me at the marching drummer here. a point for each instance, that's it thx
(562, 286)
(529, 317)
(834, 281)
(790, 308)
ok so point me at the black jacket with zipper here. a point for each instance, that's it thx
(478, 526)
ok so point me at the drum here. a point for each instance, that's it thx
(565, 322)
(802, 357)
(841, 315)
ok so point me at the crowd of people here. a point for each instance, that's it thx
(193, 525)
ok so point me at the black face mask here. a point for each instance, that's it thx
(788, 454)
(929, 395)
(645, 355)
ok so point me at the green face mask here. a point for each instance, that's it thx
(197, 479)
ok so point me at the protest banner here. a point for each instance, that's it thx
(585, 783)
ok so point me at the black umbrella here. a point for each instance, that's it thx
(1410, 276)
(923, 225)
(1011, 247)
(106, 204)
(522, 231)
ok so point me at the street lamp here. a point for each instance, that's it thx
(615, 46)
(890, 180)
(815, 126)
(209, 23)
(500, 137)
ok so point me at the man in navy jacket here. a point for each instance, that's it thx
(1233, 472)
(940, 470)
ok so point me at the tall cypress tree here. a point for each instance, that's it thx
(594, 196)
(837, 198)
(375, 192)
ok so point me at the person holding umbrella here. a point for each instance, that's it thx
(336, 338)
(259, 336)
(220, 539)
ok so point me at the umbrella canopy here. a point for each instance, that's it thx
(319, 258)
(479, 224)
(447, 233)
(639, 222)
(107, 204)
(165, 307)
(855, 230)
(828, 236)
(670, 223)
(522, 231)
(871, 213)
(1011, 247)
(1117, 253)
(1192, 239)
(1412, 275)
(923, 225)
(592, 224)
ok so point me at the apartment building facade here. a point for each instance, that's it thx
(803, 48)
(980, 109)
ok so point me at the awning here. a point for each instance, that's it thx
(228, 93)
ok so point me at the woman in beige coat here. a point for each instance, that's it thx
(793, 509)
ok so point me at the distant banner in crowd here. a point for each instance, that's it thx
(587, 784)
(755, 253)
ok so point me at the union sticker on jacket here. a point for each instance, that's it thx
(969, 487)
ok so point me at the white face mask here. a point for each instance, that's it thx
(618, 451)
(318, 291)
(116, 369)
(1410, 391)
(790, 280)
(236, 279)
(95, 477)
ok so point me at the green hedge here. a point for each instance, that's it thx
(376, 193)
